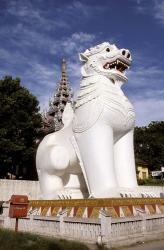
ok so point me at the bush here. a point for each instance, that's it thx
(151, 182)
(10, 240)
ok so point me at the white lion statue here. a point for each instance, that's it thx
(93, 154)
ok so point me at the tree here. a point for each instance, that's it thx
(19, 128)
(149, 144)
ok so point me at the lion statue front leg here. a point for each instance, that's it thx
(124, 162)
(97, 152)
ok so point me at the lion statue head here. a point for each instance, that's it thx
(106, 59)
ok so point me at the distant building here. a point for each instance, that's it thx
(52, 119)
(142, 170)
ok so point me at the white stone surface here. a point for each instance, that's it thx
(96, 143)
(57, 164)
(104, 121)
(10, 187)
(32, 189)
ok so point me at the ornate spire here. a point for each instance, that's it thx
(63, 94)
(63, 68)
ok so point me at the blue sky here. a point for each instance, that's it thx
(36, 34)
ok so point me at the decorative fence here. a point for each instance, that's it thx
(105, 229)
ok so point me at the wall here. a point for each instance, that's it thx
(9, 187)
(143, 191)
(32, 189)
(153, 189)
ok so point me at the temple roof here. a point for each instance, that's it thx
(52, 119)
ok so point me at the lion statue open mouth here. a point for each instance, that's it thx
(93, 154)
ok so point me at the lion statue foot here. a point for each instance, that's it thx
(64, 194)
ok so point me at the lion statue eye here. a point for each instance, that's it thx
(108, 50)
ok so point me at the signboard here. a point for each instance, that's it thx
(156, 173)
(18, 208)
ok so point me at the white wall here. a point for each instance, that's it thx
(154, 189)
(32, 189)
(9, 187)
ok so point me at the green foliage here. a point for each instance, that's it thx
(19, 127)
(149, 144)
(25, 241)
(151, 182)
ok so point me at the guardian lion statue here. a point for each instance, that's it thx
(93, 155)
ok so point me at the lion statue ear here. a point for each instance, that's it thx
(83, 57)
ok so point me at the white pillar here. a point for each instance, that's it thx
(105, 225)
(5, 207)
(62, 214)
(143, 223)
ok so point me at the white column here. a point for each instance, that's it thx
(105, 225)
(62, 214)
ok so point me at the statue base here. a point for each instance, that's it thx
(90, 208)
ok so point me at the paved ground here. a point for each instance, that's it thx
(154, 245)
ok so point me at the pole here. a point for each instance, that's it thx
(16, 225)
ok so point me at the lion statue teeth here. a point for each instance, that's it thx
(93, 154)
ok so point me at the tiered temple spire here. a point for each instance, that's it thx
(52, 120)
